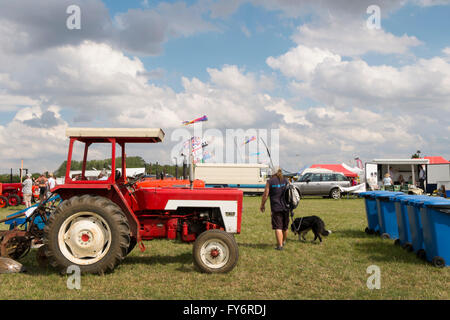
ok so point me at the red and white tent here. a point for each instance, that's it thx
(336, 168)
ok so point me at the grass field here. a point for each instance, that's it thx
(335, 269)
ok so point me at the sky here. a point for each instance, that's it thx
(332, 79)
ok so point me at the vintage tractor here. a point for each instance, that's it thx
(99, 222)
(12, 192)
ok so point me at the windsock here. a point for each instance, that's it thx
(253, 138)
(204, 118)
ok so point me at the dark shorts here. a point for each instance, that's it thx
(280, 220)
(42, 191)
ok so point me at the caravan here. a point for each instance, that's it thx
(248, 177)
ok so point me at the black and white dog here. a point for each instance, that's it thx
(302, 226)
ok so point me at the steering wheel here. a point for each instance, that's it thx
(135, 179)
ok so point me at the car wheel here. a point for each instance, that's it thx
(335, 193)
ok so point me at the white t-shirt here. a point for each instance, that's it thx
(387, 181)
(51, 183)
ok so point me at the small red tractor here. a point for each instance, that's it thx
(12, 193)
(99, 222)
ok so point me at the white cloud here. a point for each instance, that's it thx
(302, 61)
(352, 38)
(28, 26)
(446, 51)
(99, 85)
(39, 147)
(324, 77)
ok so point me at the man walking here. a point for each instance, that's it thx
(275, 188)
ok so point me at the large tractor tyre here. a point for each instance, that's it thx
(215, 251)
(3, 202)
(88, 231)
(14, 200)
(335, 193)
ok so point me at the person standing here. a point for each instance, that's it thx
(422, 177)
(401, 180)
(51, 183)
(275, 188)
(387, 181)
(42, 183)
(27, 190)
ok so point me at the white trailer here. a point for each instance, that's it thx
(249, 177)
(435, 174)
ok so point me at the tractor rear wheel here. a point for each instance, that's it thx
(88, 231)
(215, 251)
(3, 202)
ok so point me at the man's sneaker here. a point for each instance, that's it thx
(279, 248)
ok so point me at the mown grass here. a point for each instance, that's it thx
(335, 269)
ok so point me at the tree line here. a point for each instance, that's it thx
(132, 162)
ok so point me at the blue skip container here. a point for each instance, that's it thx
(415, 204)
(435, 216)
(401, 211)
(371, 204)
(371, 211)
(387, 216)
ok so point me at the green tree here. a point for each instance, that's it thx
(416, 155)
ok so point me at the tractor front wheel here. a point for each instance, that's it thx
(90, 232)
(215, 251)
(3, 202)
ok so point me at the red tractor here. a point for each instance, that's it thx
(12, 192)
(99, 222)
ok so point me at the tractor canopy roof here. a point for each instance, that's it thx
(122, 135)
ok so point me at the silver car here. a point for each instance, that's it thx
(322, 184)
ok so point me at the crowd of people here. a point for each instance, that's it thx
(45, 184)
